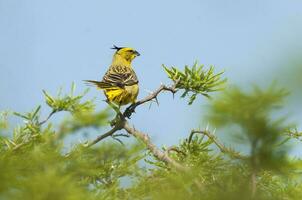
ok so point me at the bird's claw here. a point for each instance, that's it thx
(129, 111)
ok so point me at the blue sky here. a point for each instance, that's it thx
(49, 44)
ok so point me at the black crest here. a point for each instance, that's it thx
(116, 48)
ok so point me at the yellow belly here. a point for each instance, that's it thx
(122, 96)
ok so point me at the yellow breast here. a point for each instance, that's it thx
(122, 96)
(132, 92)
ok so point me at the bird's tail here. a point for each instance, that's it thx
(99, 84)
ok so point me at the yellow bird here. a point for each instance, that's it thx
(120, 83)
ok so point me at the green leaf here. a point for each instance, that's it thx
(21, 115)
(196, 79)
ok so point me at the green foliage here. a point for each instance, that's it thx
(68, 102)
(36, 161)
(195, 80)
(3, 121)
(211, 176)
(235, 105)
(293, 133)
(251, 113)
(83, 120)
(33, 165)
(43, 172)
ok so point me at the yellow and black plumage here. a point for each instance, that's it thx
(120, 83)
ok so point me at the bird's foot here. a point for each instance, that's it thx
(128, 112)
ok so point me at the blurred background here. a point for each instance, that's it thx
(50, 44)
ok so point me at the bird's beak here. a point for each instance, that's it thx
(137, 54)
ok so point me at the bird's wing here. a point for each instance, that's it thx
(120, 76)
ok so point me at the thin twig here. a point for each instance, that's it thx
(48, 117)
(16, 147)
(121, 135)
(153, 96)
(294, 134)
(175, 149)
(221, 147)
(117, 127)
(118, 140)
(115, 137)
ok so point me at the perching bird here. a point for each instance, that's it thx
(120, 83)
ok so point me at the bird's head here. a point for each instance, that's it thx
(126, 53)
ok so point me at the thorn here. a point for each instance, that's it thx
(156, 101)
(148, 91)
(207, 127)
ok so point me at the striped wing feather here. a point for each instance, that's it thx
(117, 76)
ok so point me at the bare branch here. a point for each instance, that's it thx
(155, 151)
(153, 96)
(221, 147)
(117, 127)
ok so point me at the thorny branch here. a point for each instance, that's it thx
(155, 151)
(152, 96)
(131, 109)
(122, 123)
